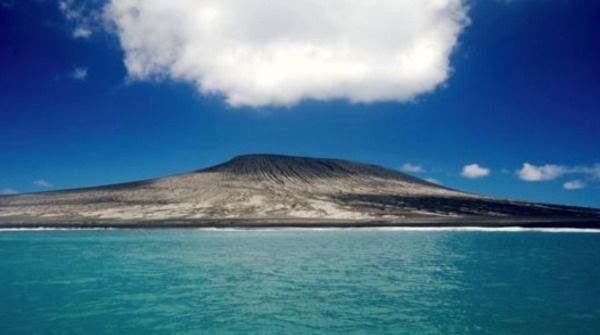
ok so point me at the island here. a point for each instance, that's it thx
(265, 190)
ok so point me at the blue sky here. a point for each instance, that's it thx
(522, 86)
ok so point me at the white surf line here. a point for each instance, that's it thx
(404, 229)
(332, 229)
(496, 229)
(52, 229)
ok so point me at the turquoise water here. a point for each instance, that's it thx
(299, 282)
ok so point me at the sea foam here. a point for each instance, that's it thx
(279, 229)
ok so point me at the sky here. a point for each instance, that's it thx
(487, 96)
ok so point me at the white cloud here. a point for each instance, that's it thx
(586, 174)
(474, 171)
(412, 168)
(42, 183)
(82, 32)
(81, 15)
(574, 185)
(79, 73)
(70, 10)
(8, 191)
(259, 52)
(591, 171)
(530, 172)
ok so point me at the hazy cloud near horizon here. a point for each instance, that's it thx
(412, 168)
(433, 181)
(8, 191)
(531, 172)
(258, 52)
(42, 183)
(574, 185)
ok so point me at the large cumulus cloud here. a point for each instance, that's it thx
(262, 52)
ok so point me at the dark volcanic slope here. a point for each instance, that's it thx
(279, 169)
(271, 187)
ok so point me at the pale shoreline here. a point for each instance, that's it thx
(508, 229)
(438, 223)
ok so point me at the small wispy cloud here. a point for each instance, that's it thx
(42, 183)
(69, 9)
(8, 191)
(574, 185)
(79, 73)
(474, 171)
(82, 16)
(82, 32)
(412, 168)
(591, 171)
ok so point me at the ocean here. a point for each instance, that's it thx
(299, 281)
